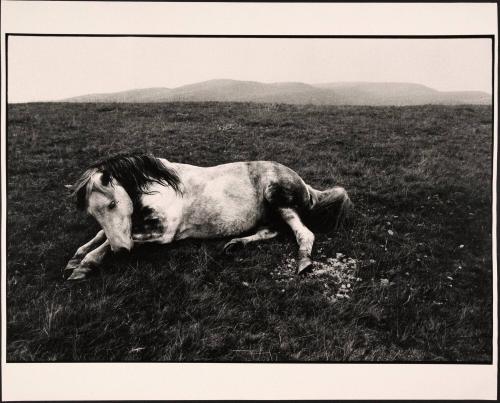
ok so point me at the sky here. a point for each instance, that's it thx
(53, 68)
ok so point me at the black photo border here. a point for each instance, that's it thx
(318, 37)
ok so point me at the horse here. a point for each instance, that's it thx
(139, 198)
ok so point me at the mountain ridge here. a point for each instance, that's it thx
(333, 93)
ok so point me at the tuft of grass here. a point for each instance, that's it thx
(420, 178)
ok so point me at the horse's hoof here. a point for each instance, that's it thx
(231, 246)
(79, 273)
(76, 275)
(72, 265)
(305, 266)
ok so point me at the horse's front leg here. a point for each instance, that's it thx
(90, 261)
(81, 252)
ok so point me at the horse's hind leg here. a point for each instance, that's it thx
(260, 235)
(91, 260)
(305, 238)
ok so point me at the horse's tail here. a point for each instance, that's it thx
(328, 209)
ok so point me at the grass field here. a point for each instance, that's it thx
(420, 178)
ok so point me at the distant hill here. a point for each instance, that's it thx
(341, 93)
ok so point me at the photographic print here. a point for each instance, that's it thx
(249, 199)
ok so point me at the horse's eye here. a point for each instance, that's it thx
(112, 205)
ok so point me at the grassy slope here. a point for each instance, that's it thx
(422, 172)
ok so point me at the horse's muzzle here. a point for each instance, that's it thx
(121, 251)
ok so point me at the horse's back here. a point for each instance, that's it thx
(266, 180)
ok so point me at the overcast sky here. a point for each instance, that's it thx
(51, 68)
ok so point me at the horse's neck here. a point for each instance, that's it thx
(158, 195)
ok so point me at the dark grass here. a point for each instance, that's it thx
(422, 172)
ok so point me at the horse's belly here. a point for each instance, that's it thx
(219, 214)
(213, 223)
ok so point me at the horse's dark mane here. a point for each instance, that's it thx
(135, 172)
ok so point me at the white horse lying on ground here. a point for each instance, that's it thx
(140, 198)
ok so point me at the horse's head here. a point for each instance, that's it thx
(110, 190)
(109, 203)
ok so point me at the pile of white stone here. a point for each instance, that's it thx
(338, 275)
